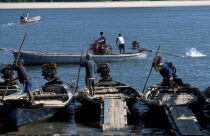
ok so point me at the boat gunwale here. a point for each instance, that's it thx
(79, 55)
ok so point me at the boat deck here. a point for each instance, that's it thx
(176, 106)
(173, 99)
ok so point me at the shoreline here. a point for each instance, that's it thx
(106, 4)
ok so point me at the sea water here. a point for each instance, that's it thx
(181, 31)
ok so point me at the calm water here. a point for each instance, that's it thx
(177, 30)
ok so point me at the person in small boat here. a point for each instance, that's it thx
(27, 15)
(120, 43)
(24, 79)
(91, 69)
(164, 70)
(102, 38)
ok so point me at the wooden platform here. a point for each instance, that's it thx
(173, 99)
(113, 115)
(183, 121)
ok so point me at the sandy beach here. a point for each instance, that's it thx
(124, 4)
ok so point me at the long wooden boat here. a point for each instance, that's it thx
(42, 58)
(182, 106)
(48, 100)
(111, 100)
(31, 20)
(160, 95)
(107, 89)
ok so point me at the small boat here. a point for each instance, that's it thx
(111, 100)
(162, 95)
(106, 88)
(48, 100)
(34, 58)
(181, 106)
(31, 20)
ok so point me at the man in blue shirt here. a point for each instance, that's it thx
(91, 69)
(24, 79)
(164, 70)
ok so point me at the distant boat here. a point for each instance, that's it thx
(43, 58)
(31, 20)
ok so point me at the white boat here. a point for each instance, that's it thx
(34, 58)
(31, 20)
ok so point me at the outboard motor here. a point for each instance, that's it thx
(103, 70)
(135, 45)
(49, 71)
(5, 73)
(95, 48)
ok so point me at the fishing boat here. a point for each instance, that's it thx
(106, 88)
(31, 20)
(162, 94)
(34, 58)
(110, 100)
(48, 100)
(181, 105)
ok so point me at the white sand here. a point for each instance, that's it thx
(123, 4)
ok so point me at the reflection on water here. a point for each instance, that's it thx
(79, 120)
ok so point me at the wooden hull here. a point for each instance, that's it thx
(13, 91)
(21, 117)
(94, 102)
(43, 58)
(48, 100)
(160, 95)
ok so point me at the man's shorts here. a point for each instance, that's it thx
(27, 85)
(90, 82)
(121, 46)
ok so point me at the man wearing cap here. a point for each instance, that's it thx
(164, 70)
(91, 69)
(24, 79)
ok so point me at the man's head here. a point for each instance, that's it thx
(158, 58)
(88, 56)
(120, 35)
(101, 33)
(21, 61)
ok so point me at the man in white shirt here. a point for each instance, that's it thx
(120, 41)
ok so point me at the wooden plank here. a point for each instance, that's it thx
(184, 121)
(179, 124)
(116, 113)
(186, 118)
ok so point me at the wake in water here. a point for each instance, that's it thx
(8, 24)
(194, 53)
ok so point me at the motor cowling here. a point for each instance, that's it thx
(49, 71)
(6, 71)
(103, 69)
(135, 44)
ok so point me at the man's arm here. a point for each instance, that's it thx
(116, 40)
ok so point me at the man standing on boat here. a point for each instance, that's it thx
(164, 70)
(91, 69)
(121, 42)
(102, 38)
(24, 79)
